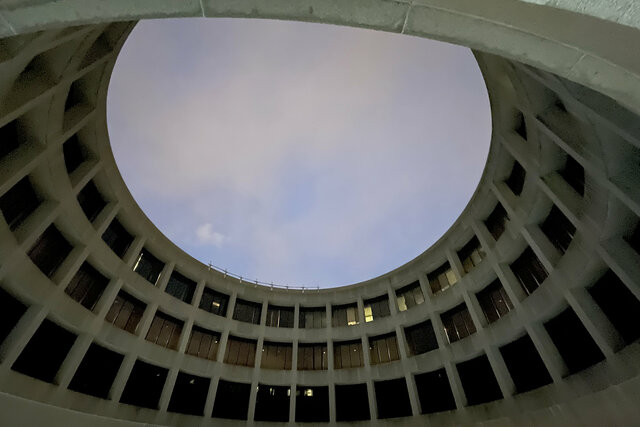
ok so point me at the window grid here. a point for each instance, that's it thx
(471, 254)
(214, 302)
(126, 312)
(383, 349)
(558, 229)
(203, 343)
(165, 331)
(496, 221)
(312, 357)
(345, 315)
(458, 323)
(347, 354)
(276, 356)
(409, 296)
(240, 352)
(529, 271)
(376, 308)
(280, 317)
(442, 278)
(247, 311)
(494, 301)
(87, 286)
(312, 317)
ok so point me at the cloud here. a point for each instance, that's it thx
(206, 236)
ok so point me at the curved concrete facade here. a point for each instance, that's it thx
(564, 164)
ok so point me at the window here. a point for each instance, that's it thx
(18, 203)
(203, 343)
(516, 180)
(478, 381)
(48, 252)
(181, 287)
(634, 239)
(352, 402)
(558, 229)
(96, 372)
(383, 348)
(214, 302)
(344, 315)
(87, 286)
(312, 317)
(144, 385)
(272, 403)
(496, 221)
(441, 278)
(11, 137)
(525, 365)
(45, 352)
(376, 308)
(409, 296)
(471, 254)
(240, 351)
(280, 317)
(91, 201)
(74, 153)
(573, 174)
(494, 301)
(392, 398)
(571, 338)
(148, 266)
(529, 271)
(347, 354)
(11, 310)
(232, 400)
(520, 126)
(457, 323)
(421, 338)
(434, 392)
(276, 355)
(189, 394)
(619, 304)
(75, 96)
(247, 311)
(312, 357)
(312, 404)
(126, 312)
(117, 238)
(165, 331)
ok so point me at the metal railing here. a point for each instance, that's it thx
(257, 282)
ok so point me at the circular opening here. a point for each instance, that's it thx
(297, 153)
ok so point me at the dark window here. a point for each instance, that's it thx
(571, 338)
(144, 385)
(181, 287)
(409, 296)
(383, 348)
(471, 254)
(247, 311)
(232, 400)
(312, 357)
(276, 355)
(345, 315)
(634, 239)
(45, 352)
(11, 136)
(11, 310)
(529, 271)
(312, 404)
(347, 354)
(280, 317)
(49, 250)
(214, 302)
(165, 331)
(376, 308)
(18, 203)
(75, 96)
(441, 278)
(516, 180)
(87, 286)
(496, 221)
(272, 403)
(352, 402)
(434, 392)
(520, 126)
(312, 317)
(392, 398)
(558, 229)
(420, 338)
(494, 301)
(148, 266)
(74, 153)
(573, 174)
(203, 343)
(117, 238)
(189, 394)
(126, 312)
(96, 372)
(91, 201)
(240, 351)
(478, 381)
(457, 323)
(619, 304)
(525, 365)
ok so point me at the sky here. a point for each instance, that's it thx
(295, 153)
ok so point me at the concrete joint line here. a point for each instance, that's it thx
(406, 17)
(202, 9)
(6, 21)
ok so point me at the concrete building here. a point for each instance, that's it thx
(525, 312)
